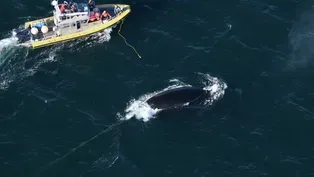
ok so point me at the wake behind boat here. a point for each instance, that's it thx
(71, 21)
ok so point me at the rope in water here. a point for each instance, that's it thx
(127, 42)
(77, 147)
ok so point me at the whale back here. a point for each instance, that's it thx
(177, 97)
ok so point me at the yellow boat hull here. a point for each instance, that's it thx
(64, 38)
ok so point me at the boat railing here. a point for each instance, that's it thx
(73, 14)
(70, 18)
(46, 37)
(60, 22)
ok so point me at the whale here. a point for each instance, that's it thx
(178, 97)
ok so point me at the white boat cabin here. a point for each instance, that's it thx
(68, 18)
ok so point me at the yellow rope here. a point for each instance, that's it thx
(126, 42)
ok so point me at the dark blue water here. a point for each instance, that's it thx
(60, 106)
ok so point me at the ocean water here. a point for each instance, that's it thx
(76, 109)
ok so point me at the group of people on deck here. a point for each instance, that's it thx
(66, 7)
(94, 11)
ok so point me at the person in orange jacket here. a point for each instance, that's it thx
(62, 8)
(92, 16)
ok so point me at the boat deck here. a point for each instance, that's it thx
(69, 30)
(67, 33)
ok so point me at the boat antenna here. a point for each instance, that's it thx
(127, 42)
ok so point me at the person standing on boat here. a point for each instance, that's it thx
(62, 7)
(91, 5)
(73, 8)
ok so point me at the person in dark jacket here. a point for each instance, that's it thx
(91, 5)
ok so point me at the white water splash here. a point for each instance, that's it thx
(7, 47)
(139, 109)
(215, 86)
(8, 42)
(103, 36)
(14, 58)
(97, 38)
(15, 69)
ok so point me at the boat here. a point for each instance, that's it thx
(67, 26)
